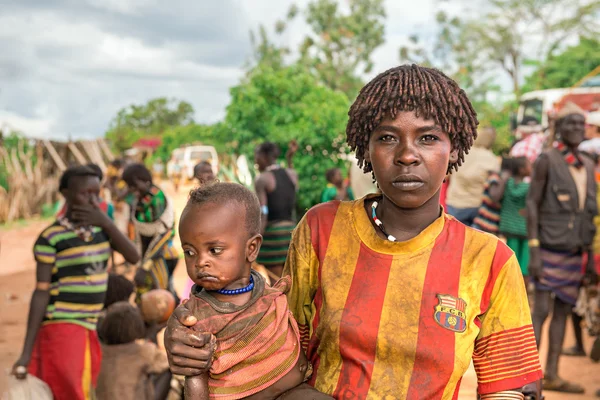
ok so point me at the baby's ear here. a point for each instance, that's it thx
(253, 247)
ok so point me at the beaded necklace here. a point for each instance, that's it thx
(85, 233)
(232, 292)
(379, 223)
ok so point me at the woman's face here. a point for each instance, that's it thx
(410, 158)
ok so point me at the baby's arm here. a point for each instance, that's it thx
(196, 387)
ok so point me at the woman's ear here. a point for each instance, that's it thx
(253, 247)
(453, 156)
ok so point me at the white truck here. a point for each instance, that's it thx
(536, 107)
(184, 159)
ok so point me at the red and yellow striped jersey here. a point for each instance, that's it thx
(382, 320)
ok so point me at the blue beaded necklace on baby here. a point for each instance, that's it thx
(232, 292)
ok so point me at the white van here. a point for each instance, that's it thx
(187, 157)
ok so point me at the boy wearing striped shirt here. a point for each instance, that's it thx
(61, 346)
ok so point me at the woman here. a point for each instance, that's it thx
(154, 220)
(393, 297)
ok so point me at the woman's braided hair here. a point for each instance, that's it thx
(427, 92)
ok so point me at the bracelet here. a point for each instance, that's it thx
(533, 243)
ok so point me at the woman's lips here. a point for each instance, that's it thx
(408, 185)
(407, 182)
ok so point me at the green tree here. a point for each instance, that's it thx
(279, 105)
(339, 46)
(506, 35)
(151, 119)
(567, 68)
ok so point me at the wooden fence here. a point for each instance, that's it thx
(33, 168)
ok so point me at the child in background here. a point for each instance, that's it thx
(153, 216)
(61, 345)
(337, 188)
(128, 361)
(203, 173)
(488, 216)
(256, 338)
(513, 223)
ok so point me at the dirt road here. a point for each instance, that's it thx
(17, 277)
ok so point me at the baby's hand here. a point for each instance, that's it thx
(190, 352)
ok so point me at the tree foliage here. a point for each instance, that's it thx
(279, 105)
(151, 119)
(506, 35)
(567, 68)
(338, 47)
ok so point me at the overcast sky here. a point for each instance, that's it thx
(67, 66)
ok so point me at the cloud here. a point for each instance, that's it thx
(67, 66)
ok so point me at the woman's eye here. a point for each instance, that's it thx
(216, 250)
(429, 138)
(387, 138)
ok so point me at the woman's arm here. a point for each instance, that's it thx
(37, 310)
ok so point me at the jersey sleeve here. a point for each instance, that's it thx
(43, 251)
(302, 266)
(506, 355)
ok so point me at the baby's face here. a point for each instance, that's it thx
(215, 244)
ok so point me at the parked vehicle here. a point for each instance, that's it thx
(185, 158)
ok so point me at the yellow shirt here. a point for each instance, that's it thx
(389, 320)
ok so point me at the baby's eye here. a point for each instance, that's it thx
(188, 253)
(216, 250)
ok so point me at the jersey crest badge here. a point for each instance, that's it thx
(450, 313)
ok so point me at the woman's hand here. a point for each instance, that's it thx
(90, 215)
(19, 370)
(189, 352)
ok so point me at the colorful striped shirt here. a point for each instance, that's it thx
(488, 215)
(78, 283)
(383, 319)
(257, 344)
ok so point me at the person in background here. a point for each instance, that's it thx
(203, 173)
(105, 206)
(61, 345)
(153, 217)
(592, 125)
(561, 206)
(488, 215)
(513, 224)
(467, 184)
(276, 189)
(337, 188)
(129, 362)
(578, 313)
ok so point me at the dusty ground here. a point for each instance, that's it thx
(17, 277)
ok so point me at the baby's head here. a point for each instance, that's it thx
(123, 324)
(220, 234)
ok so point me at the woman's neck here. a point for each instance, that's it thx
(406, 223)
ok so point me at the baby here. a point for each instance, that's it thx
(258, 353)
